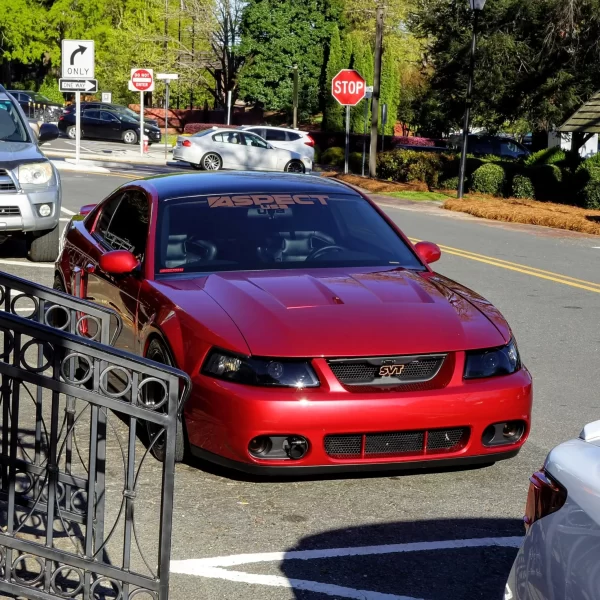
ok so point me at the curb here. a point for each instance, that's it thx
(84, 165)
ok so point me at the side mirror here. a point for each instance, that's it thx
(118, 262)
(87, 209)
(48, 132)
(428, 252)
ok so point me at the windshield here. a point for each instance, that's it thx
(40, 98)
(12, 128)
(281, 231)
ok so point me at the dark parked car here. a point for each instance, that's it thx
(118, 108)
(108, 125)
(495, 145)
(37, 106)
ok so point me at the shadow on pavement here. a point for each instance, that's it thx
(472, 573)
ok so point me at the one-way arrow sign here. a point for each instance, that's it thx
(78, 85)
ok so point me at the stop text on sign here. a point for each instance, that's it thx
(348, 87)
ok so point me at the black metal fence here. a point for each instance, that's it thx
(78, 421)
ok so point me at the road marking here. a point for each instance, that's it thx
(590, 286)
(213, 568)
(64, 220)
(22, 263)
(67, 211)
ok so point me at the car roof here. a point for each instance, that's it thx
(273, 127)
(175, 185)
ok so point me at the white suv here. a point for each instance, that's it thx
(289, 139)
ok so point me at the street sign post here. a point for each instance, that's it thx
(348, 87)
(78, 85)
(142, 80)
(167, 77)
(77, 66)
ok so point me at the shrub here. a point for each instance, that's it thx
(547, 181)
(549, 156)
(333, 156)
(192, 128)
(449, 184)
(586, 182)
(522, 187)
(411, 166)
(488, 179)
(355, 162)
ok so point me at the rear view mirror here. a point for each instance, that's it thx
(119, 262)
(428, 252)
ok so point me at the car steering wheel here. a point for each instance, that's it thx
(324, 250)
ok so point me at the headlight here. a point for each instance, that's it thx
(260, 371)
(495, 361)
(35, 173)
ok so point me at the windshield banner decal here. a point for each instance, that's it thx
(265, 201)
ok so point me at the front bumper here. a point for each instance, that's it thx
(222, 418)
(19, 210)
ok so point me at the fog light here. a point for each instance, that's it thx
(499, 434)
(295, 447)
(260, 445)
(45, 210)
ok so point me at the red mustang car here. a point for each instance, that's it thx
(317, 337)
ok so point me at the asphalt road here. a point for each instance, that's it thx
(547, 285)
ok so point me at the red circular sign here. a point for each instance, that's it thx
(348, 87)
(141, 80)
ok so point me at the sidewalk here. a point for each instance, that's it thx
(117, 161)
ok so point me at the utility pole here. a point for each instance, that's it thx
(295, 99)
(376, 87)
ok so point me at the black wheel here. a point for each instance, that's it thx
(295, 166)
(72, 132)
(158, 352)
(43, 246)
(130, 137)
(211, 162)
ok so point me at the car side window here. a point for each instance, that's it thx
(275, 135)
(25, 98)
(258, 131)
(291, 136)
(91, 114)
(255, 141)
(510, 149)
(106, 116)
(228, 138)
(123, 223)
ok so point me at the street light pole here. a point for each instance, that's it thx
(295, 98)
(476, 7)
(376, 86)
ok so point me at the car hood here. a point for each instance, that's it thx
(13, 154)
(333, 312)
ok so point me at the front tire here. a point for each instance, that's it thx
(43, 247)
(211, 162)
(295, 166)
(130, 137)
(72, 132)
(158, 352)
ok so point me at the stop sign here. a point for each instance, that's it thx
(142, 79)
(348, 87)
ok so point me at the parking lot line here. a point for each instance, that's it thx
(215, 568)
(67, 211)
(527, 270)
(26, 264)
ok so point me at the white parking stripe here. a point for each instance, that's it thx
(214, 567)
(67, 211)
(23, 263)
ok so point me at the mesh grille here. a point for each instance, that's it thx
(397, 443)
(343, 446)
(9, 210)
(445, 439)
(394, 443)
(415, 369)
(6, 183)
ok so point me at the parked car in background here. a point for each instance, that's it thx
(30, 191)
(118, 108)
(486, 145)
(108, 125)
(37, 106)
(560, 557)
(222, 148)
(289, 139)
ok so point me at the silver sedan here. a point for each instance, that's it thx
(221, 148)
(560, 557)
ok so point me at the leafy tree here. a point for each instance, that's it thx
(333, 117)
